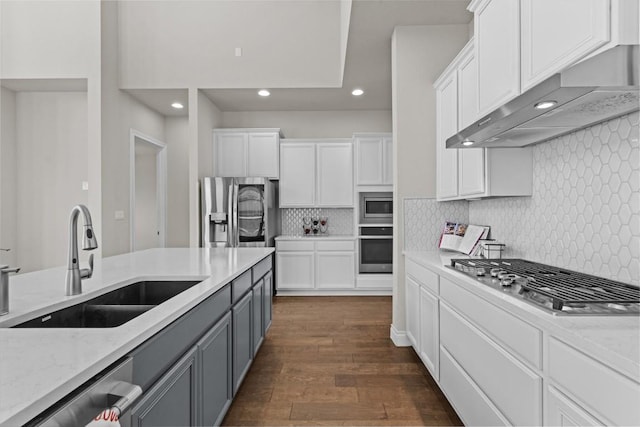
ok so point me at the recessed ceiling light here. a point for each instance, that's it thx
(264, 92)
(467, 143)
(177, 105)
(357, 92)
(543, 105)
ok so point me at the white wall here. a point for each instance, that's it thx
(419, 55)
(8, 210)
(177, 139)
(49, 39)
(120, 113)
(312, 124)
(293, 43)
(209, 118)
(146, 200)
(50, 171)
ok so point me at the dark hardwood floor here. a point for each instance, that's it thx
(329, 361)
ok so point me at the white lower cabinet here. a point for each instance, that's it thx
(429, 331)
(561, 411)
(497, 368)
(312, 264)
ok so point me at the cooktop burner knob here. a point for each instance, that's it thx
(508, 280)
(480, 271)
(495, 271)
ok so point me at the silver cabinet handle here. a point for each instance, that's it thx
(126, 393)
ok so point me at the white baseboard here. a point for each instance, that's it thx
(399, 338)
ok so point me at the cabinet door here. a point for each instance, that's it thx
(295, 270)
(497, 38)
(446, 126)
(467, 90)
(258, 316)
(172, 401)
(242, 340)
(370, 163)
(471, 171)
(335, 270)
(215, 366)
(413, 312)
(335, 175)
(561, 411)
(268, 301)
(429, 335)
(387, 160)
(230, 153)
(263, 155)
(297, 175)
(555, 34)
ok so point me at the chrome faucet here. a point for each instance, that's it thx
(4, 287)
(89, 242)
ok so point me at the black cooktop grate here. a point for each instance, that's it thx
(561, 285)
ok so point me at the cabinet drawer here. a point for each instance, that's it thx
(422, 275)
(261, 268)
(471, 404)
(240, 286)
(518, 336)
(515, 390)
(336, 245)
(294, 245)
(615, 396)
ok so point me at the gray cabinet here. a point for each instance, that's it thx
(242, 314)
(172, 400)
(214, 365)
(258, 317)
(268, 301)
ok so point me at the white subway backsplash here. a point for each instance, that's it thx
(340, 221)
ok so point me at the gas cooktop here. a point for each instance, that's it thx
(556, 290)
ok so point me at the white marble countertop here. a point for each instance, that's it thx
(40, 366)
(613, 340)
(317, 237)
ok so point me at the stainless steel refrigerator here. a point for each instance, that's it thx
(239, 212)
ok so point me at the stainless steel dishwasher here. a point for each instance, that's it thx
(111, 389)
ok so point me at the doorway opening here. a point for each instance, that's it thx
(148, 205)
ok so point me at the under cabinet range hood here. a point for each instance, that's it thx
(600, 88)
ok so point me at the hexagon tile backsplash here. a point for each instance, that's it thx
(424, 220)
(585, 210)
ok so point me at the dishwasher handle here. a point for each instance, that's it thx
(126, 394)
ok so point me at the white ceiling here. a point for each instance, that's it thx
(367, 65)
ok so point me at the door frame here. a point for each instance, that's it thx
(161, 186)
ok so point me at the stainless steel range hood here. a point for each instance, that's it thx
(600, 88)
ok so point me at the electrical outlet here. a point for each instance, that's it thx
(85, 185)
(238, 51)
(119, 215)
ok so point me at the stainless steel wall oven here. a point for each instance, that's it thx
(376, 250)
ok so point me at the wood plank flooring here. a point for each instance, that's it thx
(329, 361)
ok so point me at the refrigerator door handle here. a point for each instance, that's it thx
(236, 225)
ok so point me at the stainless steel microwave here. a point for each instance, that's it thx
(376, 208)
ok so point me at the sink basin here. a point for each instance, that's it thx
(113, 308)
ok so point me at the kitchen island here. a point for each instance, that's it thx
(40, 366)
(500, 360)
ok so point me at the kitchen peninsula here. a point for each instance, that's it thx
(40, 366)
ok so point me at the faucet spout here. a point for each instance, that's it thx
(89, 242)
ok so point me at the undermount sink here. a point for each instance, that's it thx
(113, 308)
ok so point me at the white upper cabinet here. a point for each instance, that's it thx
(246, 152)
(297, 174)
(470, 173)
(316, 173)
(335, 174)
(497, 38)
(374, 154)
(446, 126)
(555, 34)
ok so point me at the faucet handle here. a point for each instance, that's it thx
(86, 273)
(7, 269)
